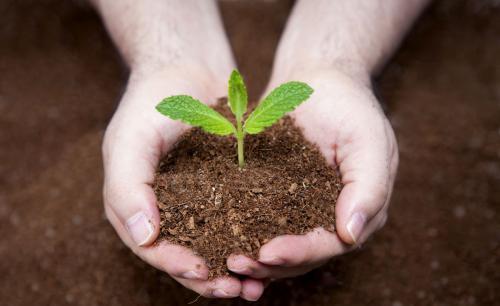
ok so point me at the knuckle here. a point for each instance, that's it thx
(304, 254)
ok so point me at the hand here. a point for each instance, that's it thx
(135, 140)
(344, 119)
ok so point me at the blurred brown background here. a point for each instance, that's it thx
(60, 80)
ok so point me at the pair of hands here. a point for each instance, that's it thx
(342, 117)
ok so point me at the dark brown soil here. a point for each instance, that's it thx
(60, 80)
(212, 206)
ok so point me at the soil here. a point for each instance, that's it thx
(61, 79)
(286, 187)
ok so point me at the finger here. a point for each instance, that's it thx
(130, 157)
(371, 227)
(222, 287)
(251, 289)
(246, 266)
(300, 250)
(380, 219)
(243, 265)
(367, 167)
(175, 260)
(130, 203)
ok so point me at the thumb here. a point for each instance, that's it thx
(130, 158)
(134, 142)
(368, 166)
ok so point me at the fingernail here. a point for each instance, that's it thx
(250, 299)
(272, 260)
(356, 225)
(220, 293)
(192, 275)
(140, 228)
(239, 265)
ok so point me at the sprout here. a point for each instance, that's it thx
(280, 101)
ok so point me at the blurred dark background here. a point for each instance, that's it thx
(60, 80)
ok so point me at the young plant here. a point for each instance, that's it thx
(280, 101)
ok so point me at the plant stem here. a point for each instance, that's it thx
(239, 136)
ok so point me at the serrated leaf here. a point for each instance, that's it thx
(280, 101)
(193, 112)
(237, 95)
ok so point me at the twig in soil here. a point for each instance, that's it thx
(195, 300)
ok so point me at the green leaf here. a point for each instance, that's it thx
(280, 101)
(238, 97)
(195, 113)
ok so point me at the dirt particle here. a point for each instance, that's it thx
(185, 239)
(330, 228)
(256, 190)
(328, 185)
(161, 205)
(282, 221)
(236, 229)
(256, 242)
(191, 225)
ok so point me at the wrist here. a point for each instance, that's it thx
(190, 78)
(343, 71)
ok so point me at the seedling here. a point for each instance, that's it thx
(280, 101)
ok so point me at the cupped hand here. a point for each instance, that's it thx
(134, 142)
(344, 119)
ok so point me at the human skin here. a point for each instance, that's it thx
(335, 46)
(167, 55)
